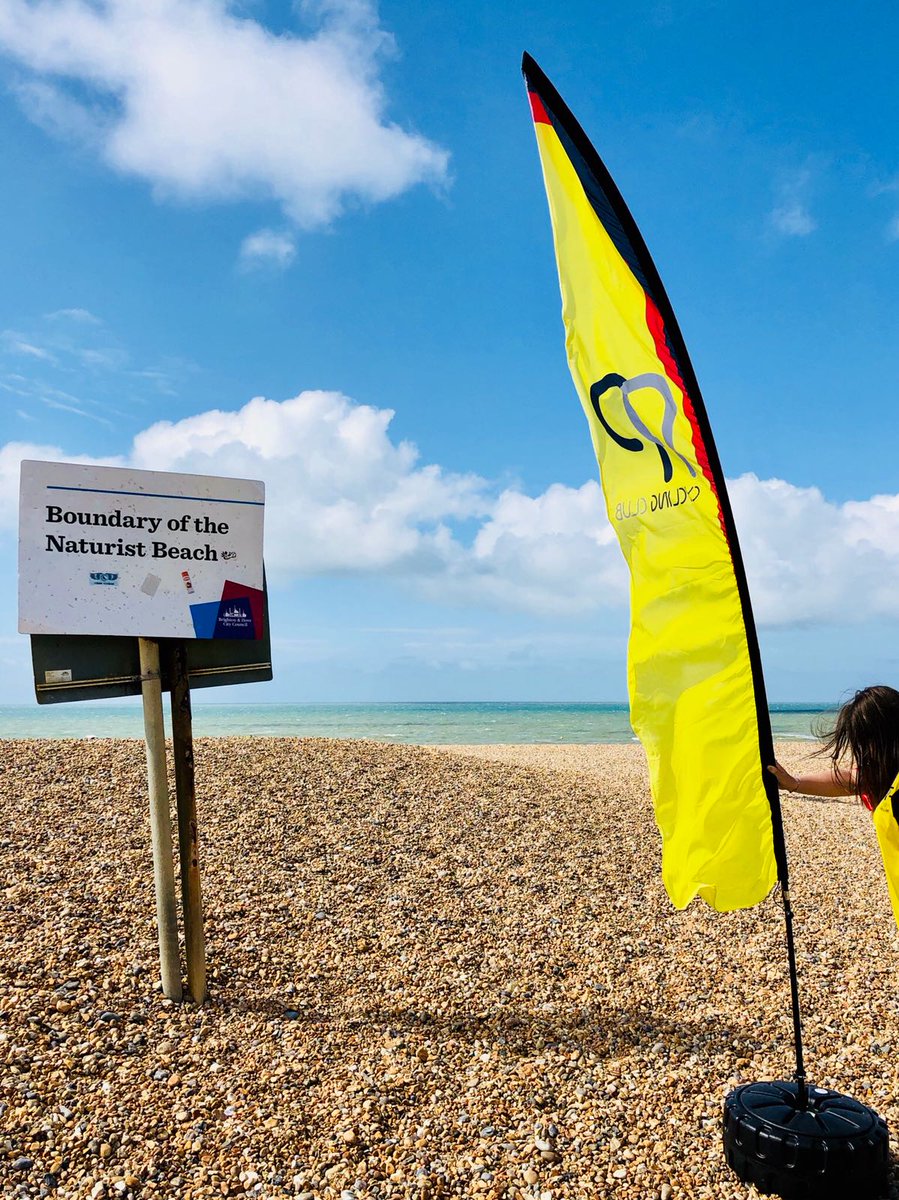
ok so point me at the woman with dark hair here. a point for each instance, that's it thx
(863, 748)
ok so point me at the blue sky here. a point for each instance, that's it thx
(339, 209)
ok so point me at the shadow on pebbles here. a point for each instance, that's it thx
(432, 973)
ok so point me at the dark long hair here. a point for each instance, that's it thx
(867, 730)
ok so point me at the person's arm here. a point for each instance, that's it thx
(820, 783)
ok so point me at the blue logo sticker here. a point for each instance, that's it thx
(109, 578)
(235, 620)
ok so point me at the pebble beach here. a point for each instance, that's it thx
(433, 973)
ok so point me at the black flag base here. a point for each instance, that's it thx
(805, 1143)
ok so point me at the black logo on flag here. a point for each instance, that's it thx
(627, 387)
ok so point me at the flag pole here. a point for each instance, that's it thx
(801, 1084)
(772, 790)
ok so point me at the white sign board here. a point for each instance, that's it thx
(118, 552)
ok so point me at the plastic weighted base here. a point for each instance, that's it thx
(834, 1148)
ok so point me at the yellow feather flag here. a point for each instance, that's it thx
(694, 672)
(885, 824)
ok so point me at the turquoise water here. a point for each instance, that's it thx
(423, 724)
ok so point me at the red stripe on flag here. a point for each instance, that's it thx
(657, 329)
(540, 113)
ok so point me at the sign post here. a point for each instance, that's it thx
(112, 561)
(160, 819)
(188, 842)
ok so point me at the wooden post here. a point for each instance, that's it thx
(160, 819)
(185, 790)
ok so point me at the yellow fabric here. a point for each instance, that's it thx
(691, 690)
(888, 839)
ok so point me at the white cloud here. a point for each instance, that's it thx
(793, 219)
(790, 215)
(809, 560)
(109, 358)
(207, 104)
(344, 498)
(72, 349)
(887, 187)
(268, 248)
(80, 315)
(16, 344)
(552, 553)
(341, 496)
(64, 406)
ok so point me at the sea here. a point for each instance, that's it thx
(435, 723)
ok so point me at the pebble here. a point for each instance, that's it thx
(490, 995)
